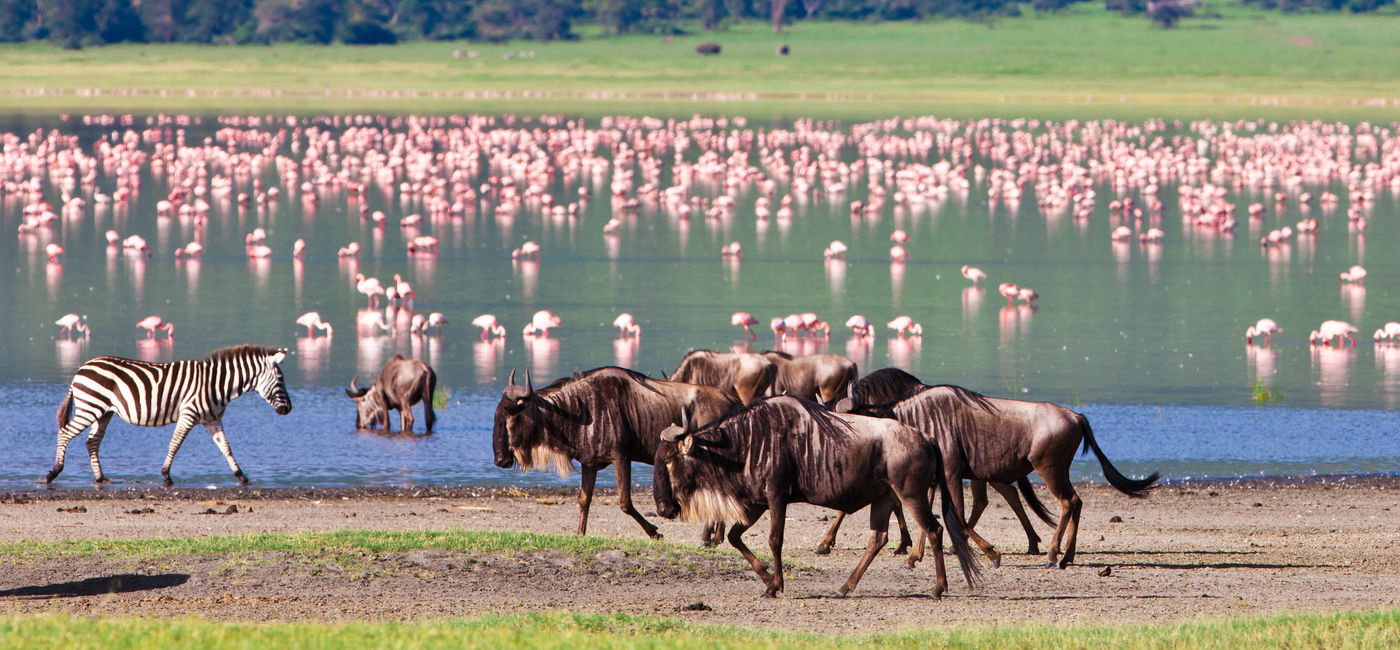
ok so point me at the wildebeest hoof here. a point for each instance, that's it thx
(1053, 565)
(838, 594)
(901, 551)
(823, 550)
(767, 594)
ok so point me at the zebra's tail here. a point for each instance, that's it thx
(65, 410)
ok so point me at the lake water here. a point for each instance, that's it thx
(1146, 340)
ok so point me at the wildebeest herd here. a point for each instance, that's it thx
(734, 435)
(730, 436)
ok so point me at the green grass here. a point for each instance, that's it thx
(1263, 395)
(1082, 63)
(557, 630)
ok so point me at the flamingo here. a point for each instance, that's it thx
(1011, 291)
(418, 324)
(350, 250)
(861, 326)
(259, 251)
(540, 323)
(747, 321)
(898, 255)
(906, 324)
(1266, 327)
(312, 320)
(404, 289)
(1027, 294)
(1390, 332)
(837, 250)
(811, 323)
(973, 273)
(899, 237)
(153, 323)
(113, 239)
(423, 245)
(299, 249)
(53, 251)
(190, 250)
(370, 287)
(258, 236)
(1121, 233)
(435, 320)
(1354, 274)
(489, 326)
(732, 249)
(70, 322)
(1331, 330)
(528, 250)
(627, 326)
(779, 327)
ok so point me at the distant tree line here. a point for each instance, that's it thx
(77, 23)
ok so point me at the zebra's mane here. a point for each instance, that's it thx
(241, 351)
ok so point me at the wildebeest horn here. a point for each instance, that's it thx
(672, 434)
(354, 391)
(529, 384)
(851, 392)
(512, 377)
(685, 418)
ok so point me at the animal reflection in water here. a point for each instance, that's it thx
(402, 383)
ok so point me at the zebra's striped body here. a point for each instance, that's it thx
(185, 393)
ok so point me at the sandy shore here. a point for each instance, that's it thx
(1191, 551)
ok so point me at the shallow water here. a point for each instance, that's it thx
(1146, 340)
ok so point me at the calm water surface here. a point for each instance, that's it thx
(1145, 340)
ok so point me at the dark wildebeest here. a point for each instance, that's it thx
(783, 450)
(1003, 440)
(402, 383)
(889, 385)
(743, 375)
(820, 378)
(604, 416)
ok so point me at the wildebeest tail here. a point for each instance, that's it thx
(1028, 494)
(65, 410)
(1131, 487)
(954, 523)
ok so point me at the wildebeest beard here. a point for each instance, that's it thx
(532, 449)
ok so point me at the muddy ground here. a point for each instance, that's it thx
(1191, 551)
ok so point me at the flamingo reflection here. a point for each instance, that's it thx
(903, 350)
(154, 350)
(544, 354)
(71, 353)
(625, 350)
(313, 355)
(1333, 367)
(486, 357)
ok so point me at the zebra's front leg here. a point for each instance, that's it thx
(216, 431)
(182, 429)
(94, 441)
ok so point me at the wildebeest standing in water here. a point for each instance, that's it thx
(1003, 440)
(785, 450)
(605, 416)
(402, 383)
(744, 375)
(821, 378)
(889, 385)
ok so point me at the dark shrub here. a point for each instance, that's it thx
(368, 32)
(783, 50)
(707, 48)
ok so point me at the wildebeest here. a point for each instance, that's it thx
(889, 385)
(1003, 440)
(744, 375)
(783, 450)
(605, 416)
(820, 378)
(402, 383)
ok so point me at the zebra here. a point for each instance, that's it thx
(156, 394)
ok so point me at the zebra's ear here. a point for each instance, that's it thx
(277, 358)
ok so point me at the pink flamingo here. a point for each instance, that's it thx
(299, 249)
(1266, 327)
(350, 250)
(423, 245)
(540, 323)
(53, 251)
(732, 249)
(1354, 274)
(153, 323)
(528, 250)
(906, 325)
(1121, 233)
(436, 320)
(370, 287)
(1331, 330)
(418, 324)
(259, 251)
(973, 273)
(747, 321)
(899, 237)
(258, 236)
(312, 321)
(837, 250)
(627, 326)
(489, 326)
(1388, 332)
(1011, 291)
(811, 323)
(898, 255)
(1027, 295)
(779, 327)
(113, 239)
(861, 326)
(192, 249)
(404, 289)
(70, 322)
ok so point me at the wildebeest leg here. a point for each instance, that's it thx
(979, 501)
(955, 486)
(904, 540)
(879, 536)
(429, 417)
(216, 431)
(777, 517)
(916, 499)
(712, 534)
(623, 467)
(1012, 499)
(585, 497)
(1057, 480)
(736, 539)
(830, 539)
(405, 418)
(99, 429)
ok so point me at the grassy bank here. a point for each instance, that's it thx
(1081, 63)
(1356, 630)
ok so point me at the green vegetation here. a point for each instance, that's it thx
(1263, 395)
(1080, 63)
(441, 397)
(1362, 630)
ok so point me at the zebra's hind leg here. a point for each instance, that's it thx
(93, 442)
(182, 429)
(216, 431)
(66, 434)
